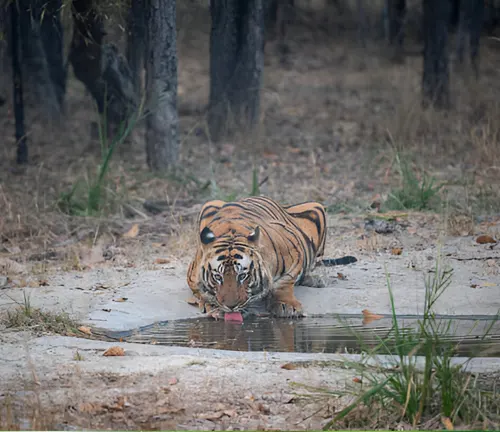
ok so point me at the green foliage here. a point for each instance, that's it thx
(217, 193)
(408, 391)
(413, 194)
(90, 197)
(27, 316)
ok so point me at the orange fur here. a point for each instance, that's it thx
(255, 249)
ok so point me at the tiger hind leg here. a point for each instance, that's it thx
(311, 218)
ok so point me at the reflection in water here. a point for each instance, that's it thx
(326, 334)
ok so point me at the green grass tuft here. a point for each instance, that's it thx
(422, 384)
(414, 193)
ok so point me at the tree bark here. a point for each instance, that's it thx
(362, 23)
(103, 71)
(17, 79)
(436, 80)
(136, 39)
(236, 65)
(4, 32)
(42, 52)
(396, 10)
(162, 140)
(469, 32)
(284, 17)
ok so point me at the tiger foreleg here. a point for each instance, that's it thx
(284, 304)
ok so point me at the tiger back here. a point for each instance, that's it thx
(255, 250)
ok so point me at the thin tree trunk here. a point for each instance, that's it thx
(469, 32)
(436, 80)
(236, 64)
(284, 17)
(162, 140)
(4, 32)
(17, 78)
(136, 39)
(53, 42)
(396, 10)
(103, 71)
(42, 53)
(362, 23)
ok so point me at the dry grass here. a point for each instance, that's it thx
(333, 121)
(332, 124)
(26, 317)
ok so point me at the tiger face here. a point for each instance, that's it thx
(233, 276)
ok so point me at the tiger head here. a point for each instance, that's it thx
(233, 273)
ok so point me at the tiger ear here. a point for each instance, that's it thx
(254, 235)
(207, 236)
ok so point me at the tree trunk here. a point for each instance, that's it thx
(284, 17)
(136, 39)
(53, 42)
(103, 71)
(396, 10)
(436, 80)
(42, 52)
(469, 31)
(236, 65)
(4, 32)
(162, 140)
(362, 23)
(17, 79)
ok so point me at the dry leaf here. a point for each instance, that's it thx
(447, 423)
(488, 284)
(10, 266)
(132, 232)
(114, 351)
(121, 299)
(262, 408)
(357, 380)
(396, 251)
(483, 239)
(474, 285)
(85, 330)
(169, 410)
(289, 366)
(120, 404)
(369, 316)
(173, 381)
(162, 261)
(341, 276)
(212, 416)
(90, 408)
(157, 245)
(270, 155)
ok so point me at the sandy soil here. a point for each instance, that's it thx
(334, 117)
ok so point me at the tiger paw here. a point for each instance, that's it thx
(285, 310)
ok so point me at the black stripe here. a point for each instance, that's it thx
(330, 262)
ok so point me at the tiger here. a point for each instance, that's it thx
(257, 250)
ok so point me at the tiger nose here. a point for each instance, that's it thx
(229, 299)
(230, 302)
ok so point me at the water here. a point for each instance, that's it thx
(312, 335)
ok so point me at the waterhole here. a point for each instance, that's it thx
(469, 335)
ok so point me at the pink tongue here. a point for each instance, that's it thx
(233, 316)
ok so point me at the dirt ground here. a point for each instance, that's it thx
(334, 119)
